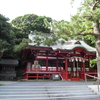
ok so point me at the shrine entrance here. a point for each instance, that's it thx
(75, 68)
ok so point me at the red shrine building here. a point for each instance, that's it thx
(69, 61)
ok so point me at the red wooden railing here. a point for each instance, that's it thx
(43, 69)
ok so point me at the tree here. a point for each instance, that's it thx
(85, 22)
(89, 23)
(3, 47)
(22, 45)
(31, 22)
(39, 24)
(6, 37)
(23, 25)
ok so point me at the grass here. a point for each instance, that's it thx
(1, 84)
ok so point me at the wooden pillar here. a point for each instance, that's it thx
(81, 71)
(47, 63)
(89, 64)
(57, 64)
(37, 76)
(66, 67)
(26, 76)
(29, 66)
(77, 71)
(26, 68)
(83, 66)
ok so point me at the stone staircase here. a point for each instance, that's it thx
(46, 91)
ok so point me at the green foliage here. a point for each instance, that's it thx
(59, 28)
(18, 35)
(38, 40)
(87, 21)
(23, 25)
(81, 24)
(93, 63)
(40, 25)
(31, 22)
(6, 37)
(4, 28)
(45, 39)
(49, 41)
(3, 45)
(64, 37)
(1, 84)
(89, 39)
(22, 45)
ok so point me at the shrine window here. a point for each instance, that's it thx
(42, 62)
(86, 64)
(52, 63)
(79, 64)
(61, 63)
(70, 64)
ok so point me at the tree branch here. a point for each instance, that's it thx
(87, 16)
(83, 33)
(93, 8)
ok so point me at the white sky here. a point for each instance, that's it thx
(56, 9)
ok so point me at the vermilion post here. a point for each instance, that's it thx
(47, 63)
(66, 67)
(83, 65)
(57, 64)
(26, 76)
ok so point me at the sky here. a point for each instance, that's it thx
(56, 9)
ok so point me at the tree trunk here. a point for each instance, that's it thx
(1, 54)
(98, 54)
(97, 39)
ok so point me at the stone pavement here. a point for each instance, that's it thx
(95, 89)
(47, 90)
(7, 82)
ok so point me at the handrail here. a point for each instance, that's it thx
(92, 77)
(61, 76)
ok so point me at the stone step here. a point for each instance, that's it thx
(41, 88)
(42, 97)
(31, 86)
(44, 88)
(35, 92)
(83, 86)
(23, 90)
(46, 91)
(13, 85)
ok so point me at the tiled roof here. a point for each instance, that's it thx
(9, 62)
(68, 45)
(71, 44)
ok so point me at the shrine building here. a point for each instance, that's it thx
(68, 61)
